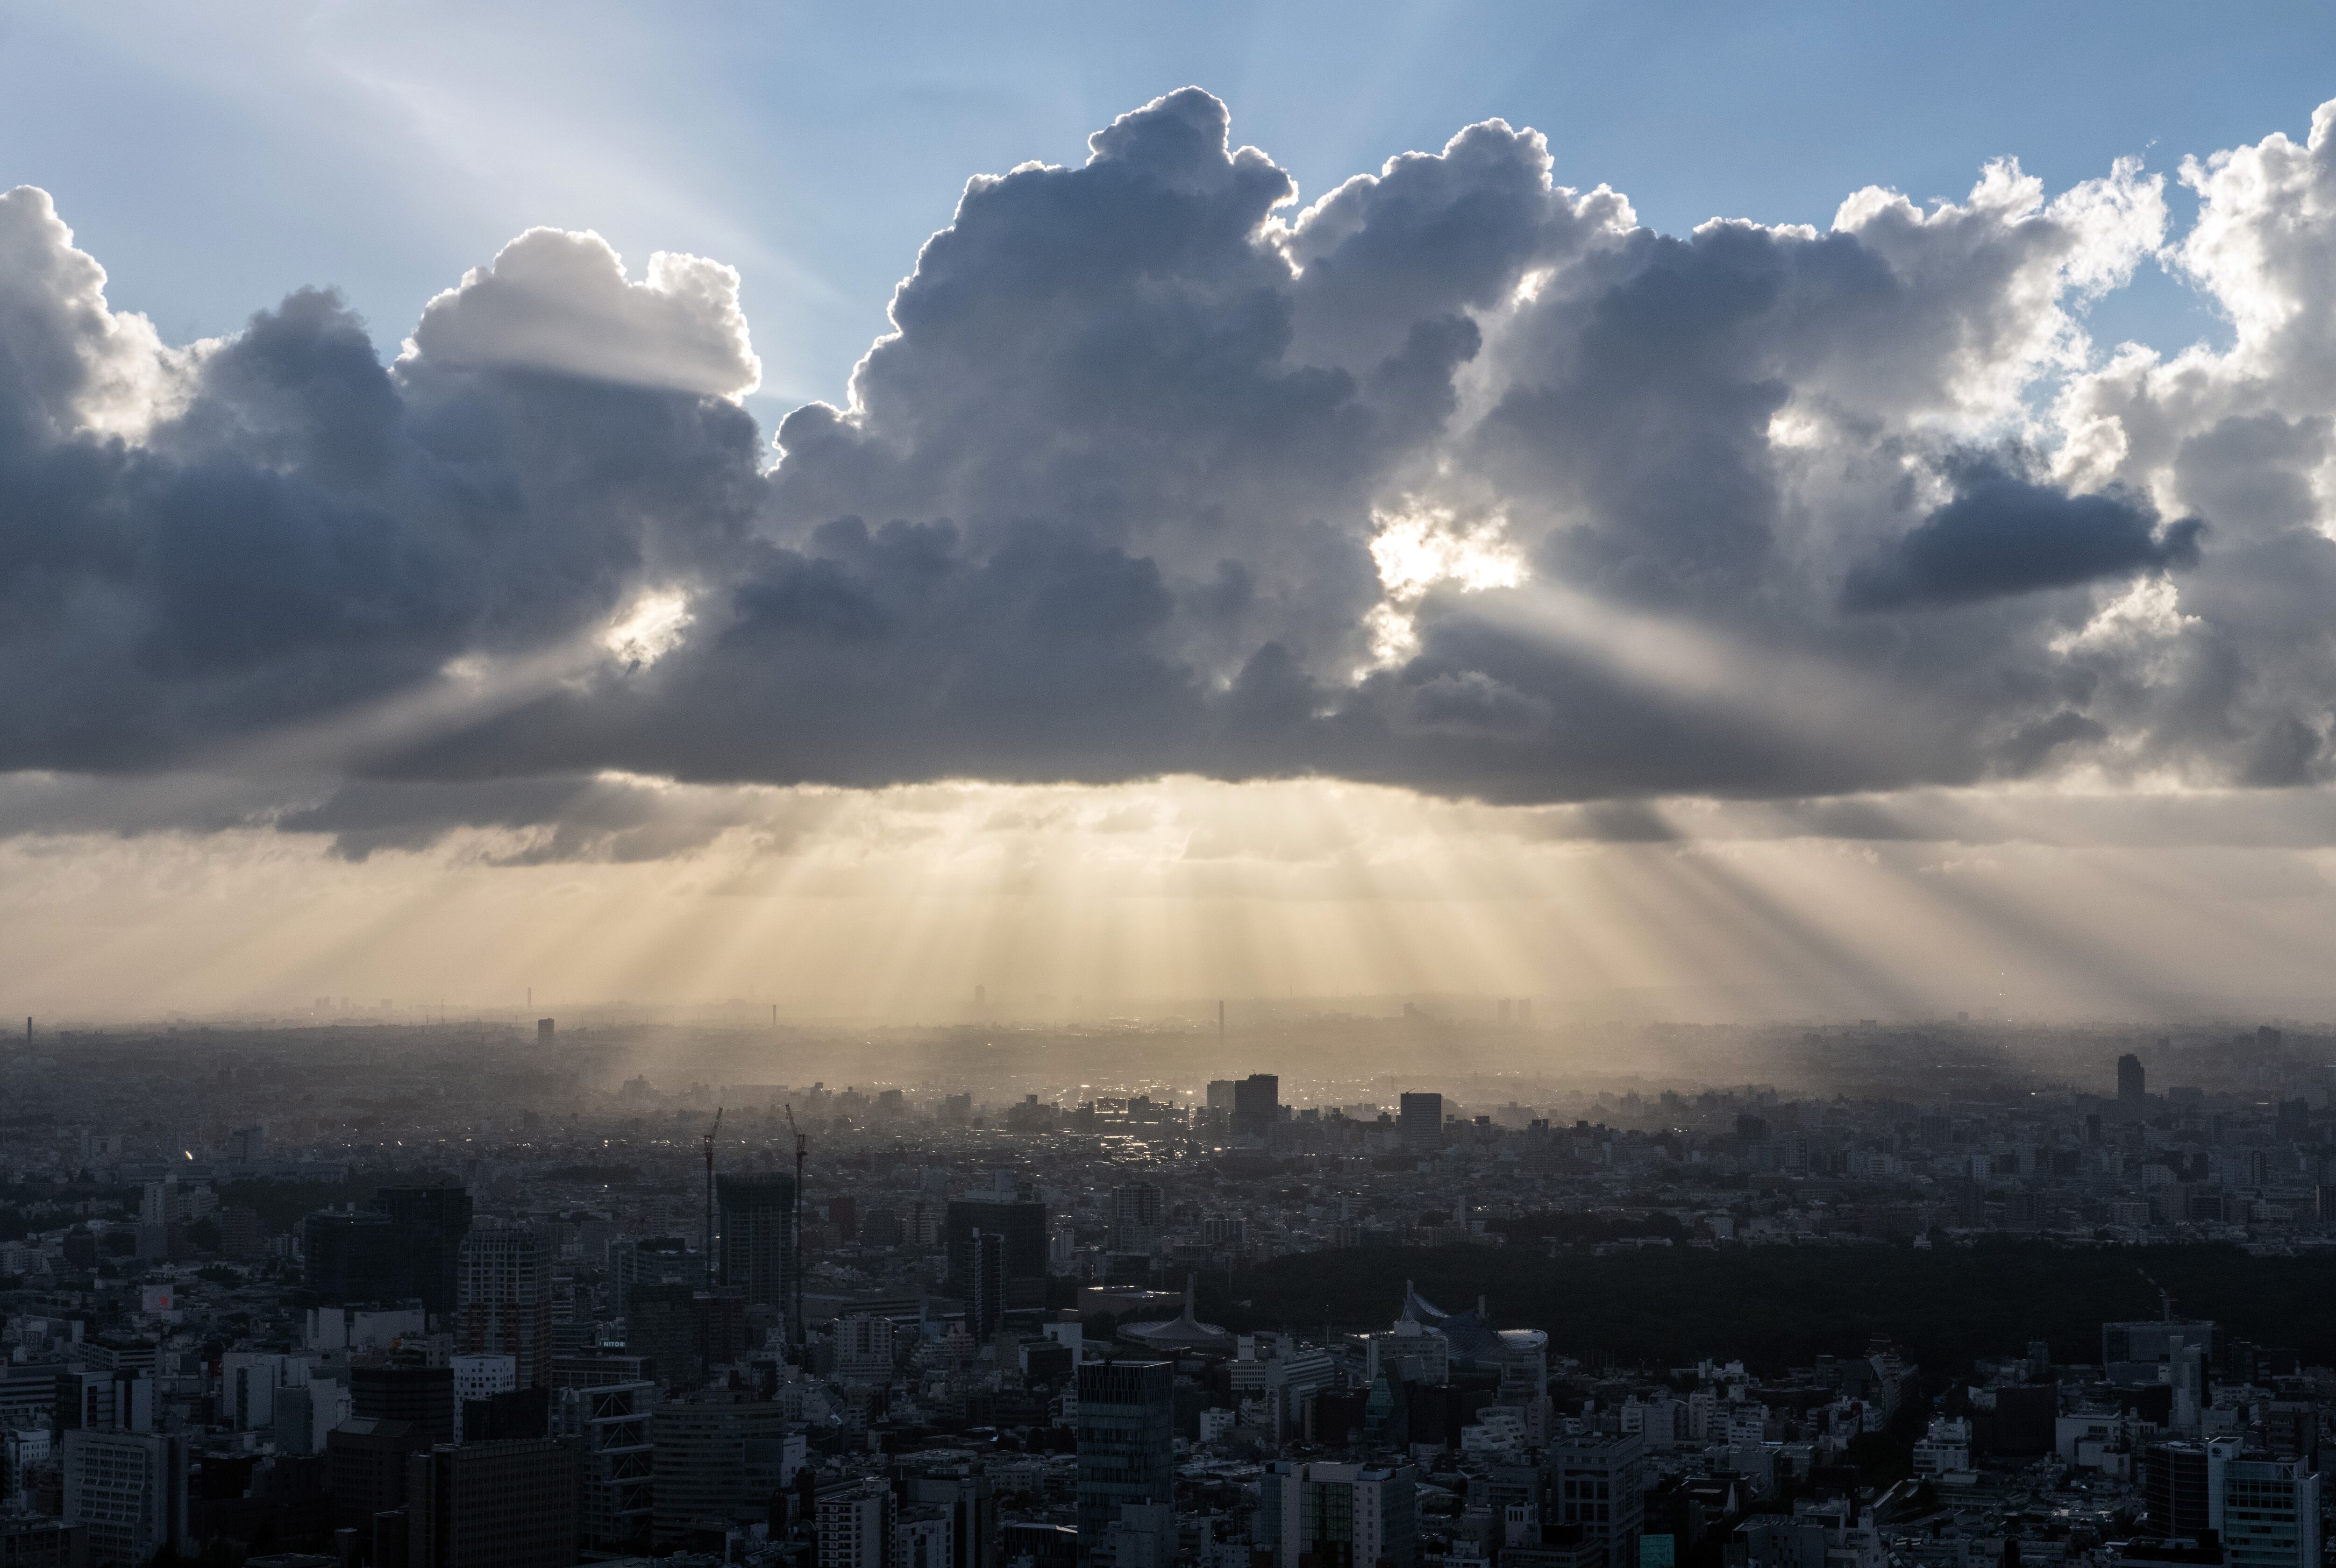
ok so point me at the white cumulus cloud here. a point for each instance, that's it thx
(558, 300)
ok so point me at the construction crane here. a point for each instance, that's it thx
(2165, 1296)
(795, 1261)
(710, 1133)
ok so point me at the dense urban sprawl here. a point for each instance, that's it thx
(373, 1293)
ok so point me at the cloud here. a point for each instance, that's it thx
(2002, 534)
(606, 818)
(67, 362)
(1458, 481)
(560, 301)
(201, 549)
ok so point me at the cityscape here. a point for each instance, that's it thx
(1948, 1294)
(1245, 784)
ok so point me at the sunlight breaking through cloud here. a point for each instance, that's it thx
(1419, 548)
(1193, 583)
(652, 627)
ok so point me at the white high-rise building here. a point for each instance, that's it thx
(128, 1492)
(1661, 1420)
(1945, 1448)
(1138, 1217)
(2267, 1511)
(2186, 1370)
(1524, 1363)
(923, 1536)
(1375, 1508)
(613, 1424)
(855, 1525)
(248, 1384)
(1409, 1342)
(480, 1377)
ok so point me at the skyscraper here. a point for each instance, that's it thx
(1257, 1105)
(423, 1396)
(2132, 1081)
(610, 1427)
(721, 1314)
(1138, 1217)
(2186, 1371)
(661, 1324)
(1420, 1122)
(977, 1271)
(503, 1286)
(510, 1505)
(758, 1237)
(354, 1254)
(718, 1455)
(650, 1261)
(402, 1246)
(367, 1463)
(1127, 1441)
(434, 1220)
(2174, 1488)
(1020, 1225)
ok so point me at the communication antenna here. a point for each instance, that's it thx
(794, 1264)
(2165, 1296)
(709, 1195)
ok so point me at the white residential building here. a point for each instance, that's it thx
(855, 1525)
(2267, 1511)
(1375, 1508)
(1945, 1448)
(128, 1492)
(923, 1536)
(864, 1349)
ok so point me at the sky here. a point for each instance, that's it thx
(1715, 510)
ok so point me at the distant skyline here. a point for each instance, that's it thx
(1554, 501)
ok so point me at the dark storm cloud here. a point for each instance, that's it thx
(298, 529)
(875, 656)
(1459, 479)
(2004, 534)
